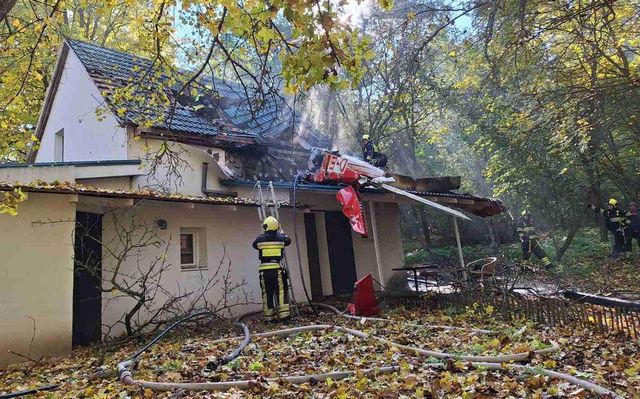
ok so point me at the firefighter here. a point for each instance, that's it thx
(371, 155)
(530, 242)
(617, 223)
(273, 278)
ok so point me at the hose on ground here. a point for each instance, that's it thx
(125, 367)
(214, 364)
(498, 362)
(245, 384)
(516, 357)
(428, 326)
(295, 237)
(29, 391)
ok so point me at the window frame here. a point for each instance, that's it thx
(194, 245)
(58, 146)
(199, 244)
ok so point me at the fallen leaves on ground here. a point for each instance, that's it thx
(609, 360)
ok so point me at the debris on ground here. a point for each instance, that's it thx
(608, 360)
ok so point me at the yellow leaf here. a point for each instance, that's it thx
(385, 4)
(362, 384)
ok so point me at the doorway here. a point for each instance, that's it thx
(341, 259)
(87, 273)
(313, 255)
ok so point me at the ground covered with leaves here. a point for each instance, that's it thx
(611, 361)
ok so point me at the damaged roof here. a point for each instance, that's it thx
(474, 204)
(219, 108)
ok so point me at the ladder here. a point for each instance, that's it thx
(270, 207)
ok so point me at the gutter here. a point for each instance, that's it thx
(72, 163)
(215, 193)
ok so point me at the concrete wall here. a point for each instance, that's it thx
(44, 173)
(86, 138)
(36, 277)
(227, 228)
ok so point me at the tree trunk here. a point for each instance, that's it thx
(570, 236)
(424, 223)
(493, 240)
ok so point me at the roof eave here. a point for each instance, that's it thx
(219, 140)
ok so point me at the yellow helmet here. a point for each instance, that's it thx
(613, 202)
(525, 212)
(365, 137)
(270, 224)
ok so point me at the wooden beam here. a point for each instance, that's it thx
(457, 232)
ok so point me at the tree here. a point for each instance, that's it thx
(263, 46)
(132, 270)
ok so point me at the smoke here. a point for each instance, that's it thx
(324, 110)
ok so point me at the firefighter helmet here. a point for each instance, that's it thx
(613, 202)
(525, 213)
(270, 224)
(365, 137)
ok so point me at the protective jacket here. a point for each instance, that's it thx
(616, 219)
(370, 154)
(270, 246)
(525, 230)
(530, 242)
(368, 151)
(273, 277)
(617, 223)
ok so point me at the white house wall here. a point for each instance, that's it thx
(187, 174)
(227, 228)
(86, 138)
(36, 277)
(389, 237)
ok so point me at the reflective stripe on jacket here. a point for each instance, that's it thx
(615, 218)
(526, 230)
(270, 246)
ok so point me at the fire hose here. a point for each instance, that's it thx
(489, 362)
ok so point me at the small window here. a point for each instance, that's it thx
(58, 150)
(187, 249)
(193, 248)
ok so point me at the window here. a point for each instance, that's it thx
(187, 249)
(193, 248)
(58, 147)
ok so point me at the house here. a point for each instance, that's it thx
(99, 213)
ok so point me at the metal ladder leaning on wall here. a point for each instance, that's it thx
(270, 207)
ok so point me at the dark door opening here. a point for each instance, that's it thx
(313, 256)
(87, 273)
(341, 259)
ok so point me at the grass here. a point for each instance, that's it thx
(584, 257)
(415, 254)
